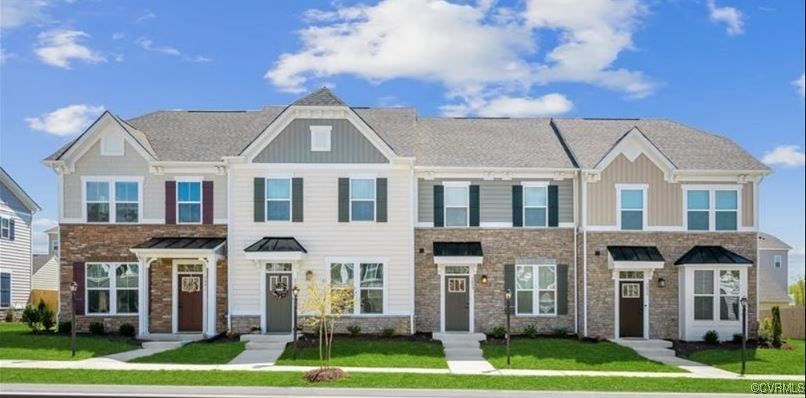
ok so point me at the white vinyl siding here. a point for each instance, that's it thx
(15, 255)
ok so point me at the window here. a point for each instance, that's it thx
(113, 200)
(126, 202)
(278, 199)
(536, 290)
(631, 208)
(362, 199)
(715, 209)
(188, 202)
(97, 201)
(726, 210)
(368, 289)
(535, 201)
(112, 283)
(729, 291)
(707, 289)
(5, 228)
(631, 290)
(5, 289)
(703, 295)
(698, 209)
(457, 205)
(320, 138)
(777, 261)
(54, 245)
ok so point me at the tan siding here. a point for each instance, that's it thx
(747, 205)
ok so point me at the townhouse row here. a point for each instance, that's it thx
(203, 221)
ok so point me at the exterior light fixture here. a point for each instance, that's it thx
(484, 280)
(661, 282)
(309, 275)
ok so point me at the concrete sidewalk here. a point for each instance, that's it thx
(661, 351)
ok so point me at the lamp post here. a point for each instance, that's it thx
(744, 332)
(295, 292)
(73, 289)
(508, 296)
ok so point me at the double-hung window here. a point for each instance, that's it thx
(362, 199)
(717, 292)
(188, 202)
(536, 290)
(5, 289)
(127, 202)
(698, 210)
(457, 205)
(703, 295)
(113, 200)
(712, 209)
(727, 210)
(632, 208)
(5, 228)
(367, 288)
(278, 199)
(112, 288)
(778, 261)
(535, 204)
(729, 292)
(97, 201)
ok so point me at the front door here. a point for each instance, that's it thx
(279, 314)
(191, 302)
(631, 309)
(457, 303)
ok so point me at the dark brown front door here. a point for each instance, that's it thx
(631, 309)
(191, 302)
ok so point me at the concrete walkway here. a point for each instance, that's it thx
(661, 351)
(262, 349)
(463, 353)
(148, 348)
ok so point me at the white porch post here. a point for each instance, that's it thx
(210, 329)
(142, 301)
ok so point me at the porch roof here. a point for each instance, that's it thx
(634, 257)
(182, 243)
(712, 255)
(276, 248)
(458, 253)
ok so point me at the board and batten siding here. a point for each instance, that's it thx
(664, 200)
(15, 255)
(347, 145)
(322, 235)
(495, 198)
(92, 163)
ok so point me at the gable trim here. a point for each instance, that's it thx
(626, 146)
(17, 190)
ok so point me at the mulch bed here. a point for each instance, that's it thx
(492, 340)
(312, 340)
(686, 348)
(326, 374)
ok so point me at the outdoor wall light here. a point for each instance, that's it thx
(661, 282)
(484, 280)
(309, 275)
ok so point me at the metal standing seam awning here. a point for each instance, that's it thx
(162, 247)
(276, 249)
(712, 255)
(634, 257)
(458, 253)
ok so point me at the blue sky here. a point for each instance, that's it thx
(728, 67)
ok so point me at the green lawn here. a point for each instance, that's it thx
(372, 353)
(759, 361)
(570, 354)
(17, 342)
(373, 380)
(203, 352)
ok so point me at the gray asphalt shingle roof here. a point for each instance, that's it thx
(321, 97)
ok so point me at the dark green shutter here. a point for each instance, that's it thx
(260, 199)
(562, 289)
(296, 199)
(381, 199)
(509, 284)
(517, 206)
(439, 209)
(344, 200)
(553, 206)
(474, 206)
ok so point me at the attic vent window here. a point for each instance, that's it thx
(112, 144)
(320, 138)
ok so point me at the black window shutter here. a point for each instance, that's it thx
(517, 206)
(439, 209)
(553, 206)
(10, 229)
(562, 289)
(509, 284)
(381, 199)
(296, 199)
(474, 206)
(260, 199)
(344, 200)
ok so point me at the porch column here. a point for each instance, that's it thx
(142, 297)
(210, 329)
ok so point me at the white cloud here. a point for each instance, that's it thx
(785, 155)
(506, 106)
(800, 84)
(730, 16)
(5, 56)
(149, 15)
(148, 45)
(16, 13)
(59, 47)
(70, 120)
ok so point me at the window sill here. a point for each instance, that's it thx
(536, 316)
(109, 315)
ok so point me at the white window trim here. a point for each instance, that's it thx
(6, 228)
(712, 295)
(113, 294)
(374, 197)
(54, 245)
(356, 262)
(111, 180)
(632, 187)
(717, 321)
(719, 295)
(289, 200)
(777, 261)
(445, 207)
(527, 185)
(192, 180)
(712, 206)
(325, 131)
(536, 290)
(10, 289)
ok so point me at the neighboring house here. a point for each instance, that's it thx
(201, 221)
(773, 272)
(16, 213)
(45, 274)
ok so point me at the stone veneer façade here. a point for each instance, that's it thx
(110, 243)
(369, 324)
(663, 302)
(500, 246)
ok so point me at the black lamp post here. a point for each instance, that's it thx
(508, 296)
(744, 332)
(73, 289)
(295, 292)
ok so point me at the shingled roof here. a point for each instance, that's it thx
(321, 97)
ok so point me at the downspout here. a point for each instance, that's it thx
(413, 213)
(576, 253)
(229, 267)
(584, 255)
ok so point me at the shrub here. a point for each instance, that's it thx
(65, 327)
(48, 320)
(38, 318)
(737, 338)
(10, 315)
(388, 332)
(354, 330)
(765, 330)
(530, 331)
(97, 328)
(777, 328)
(498, 332)
(559, 332)
(126, 330)
(711, 337)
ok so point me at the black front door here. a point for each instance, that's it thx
(457, 303)
(279, 316)
(631, 309)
